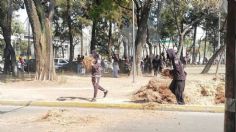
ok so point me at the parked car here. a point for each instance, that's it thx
(59, 63)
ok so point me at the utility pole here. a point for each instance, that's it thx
(230, 87)
(134, 64)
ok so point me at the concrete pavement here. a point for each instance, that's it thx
(53, 119)
(80, 91)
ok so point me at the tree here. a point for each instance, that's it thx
(6, 10)
(142, 14)
(188, 14)
(211, 25)
(70, 19)
(230, 94)
(40, 15)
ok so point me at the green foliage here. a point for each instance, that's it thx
(78, 16)
(167, 25)
(23, 47)
(117, 11)
(178, 12)
(17, 27)
(4, 8)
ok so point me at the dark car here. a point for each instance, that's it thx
(30, 65)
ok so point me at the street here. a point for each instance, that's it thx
(50, 119)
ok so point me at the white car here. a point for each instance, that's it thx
(60, 62)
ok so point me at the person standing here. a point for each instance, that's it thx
(179, 76)
(79, 62)
(96, 75)
(116, 67)
(22, 63)
(155, 63)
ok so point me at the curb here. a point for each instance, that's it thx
(146, 106)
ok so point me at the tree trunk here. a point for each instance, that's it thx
(81, 40)
(9, 53)
(129, 53)
(159, 44)
(93, 37)
(204, 56)
(125, 48)
(141, 34)
(199, 52)
(42, 36)
(148, 42)
(194, 46)
(218, 64)
(69, 22)
(230, 90)
(212, 59)
(180, 46)
(63, 54)
(110, 41)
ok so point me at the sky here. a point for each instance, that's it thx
(22, 15)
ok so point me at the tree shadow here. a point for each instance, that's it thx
(20, 77)
(15, 109)
(73, 98)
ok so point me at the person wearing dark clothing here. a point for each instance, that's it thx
(155, 63)
(96, 75)
(179, 76)
(147, 64)
(161, 64)
(127, 65)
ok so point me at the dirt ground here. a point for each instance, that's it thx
(201, 89)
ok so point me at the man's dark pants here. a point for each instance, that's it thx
(177, 88)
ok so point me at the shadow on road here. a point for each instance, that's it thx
(15, 109)
(73, 98)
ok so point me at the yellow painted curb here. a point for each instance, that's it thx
(145, 106)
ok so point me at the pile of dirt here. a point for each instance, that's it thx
(220, 94)
(207, 89)
(65, 117)
(214, 89)
(155, 91)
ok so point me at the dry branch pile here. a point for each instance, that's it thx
(87, 62)
(166, 73)
(220, 94)
(155, 91)
(215, 90)
(66, 117)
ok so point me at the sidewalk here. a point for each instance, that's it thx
(74, 91)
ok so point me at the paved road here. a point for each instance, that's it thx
(48, 119)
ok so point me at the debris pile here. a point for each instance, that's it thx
(155, 91)
(65, 117)
(220, 94)
(87, 62)
(215, 90)
(166, 73)
(207, 89)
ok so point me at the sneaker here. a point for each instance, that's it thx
(105, 93)
(181, 103)
(93, 100)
